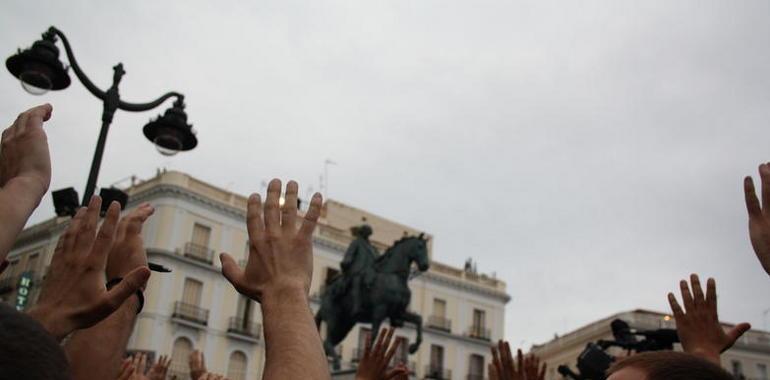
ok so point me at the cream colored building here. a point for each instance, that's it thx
(749, 357)
(194, 307)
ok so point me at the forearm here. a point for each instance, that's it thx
(96, 352)
(17, 202)
(293, 348)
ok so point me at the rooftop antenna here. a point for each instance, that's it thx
(325, 181)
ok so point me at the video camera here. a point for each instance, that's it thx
(594, 362)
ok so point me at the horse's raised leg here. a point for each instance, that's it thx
(416, 319)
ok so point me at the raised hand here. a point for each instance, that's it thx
(128, 252)
(374, 364)
(74, 295)
(532, 368)
(197, 365)
(25, 172)
(126, 369)
(24, 155)
(503, 367)
(159, 369)
(759, 216)
(280, 255)
(698, 326)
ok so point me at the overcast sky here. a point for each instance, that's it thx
(591, 153)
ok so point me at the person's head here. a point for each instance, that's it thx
(27, 350)
(666, 365)
(363, 231)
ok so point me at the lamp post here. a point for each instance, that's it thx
(39, 70)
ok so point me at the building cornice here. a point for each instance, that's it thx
(179, 192)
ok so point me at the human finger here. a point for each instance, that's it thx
(289, 208)
(311, 216)
(272, 209)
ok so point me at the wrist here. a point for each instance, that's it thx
(289, 296)
(27, 188)
(708, 354)
(54, 324)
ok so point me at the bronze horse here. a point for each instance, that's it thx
(388, 297)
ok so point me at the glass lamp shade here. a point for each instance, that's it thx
(39, 68)
(170, 132)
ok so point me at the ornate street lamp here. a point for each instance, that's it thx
(40, 70)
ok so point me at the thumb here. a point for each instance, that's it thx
(736, 333)
(133, 281)
(230, 270)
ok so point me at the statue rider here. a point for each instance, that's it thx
(358, 267)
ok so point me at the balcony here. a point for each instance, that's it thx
(440, 323)
(191, 313)
(242, 327)
(199, 252)
(437, 372)
(479, 332)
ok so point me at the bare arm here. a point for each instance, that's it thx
(97, 352)
(25, 172)
(277, 275)
(290, 333)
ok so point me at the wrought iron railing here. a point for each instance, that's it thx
(192, 313)
(437, 372)
(479, 332)
(440, 323)
(241, 326)
(199, 252)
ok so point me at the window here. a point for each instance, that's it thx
(737, 367)
(479, 318)
(236, 368)
(363, 333)
(402, 352)
(436, 358)
(32, 262)
(245, 308)
(762, 371)
(439, 308)
(201, 235)
(192, 292)
(179, 356)
(476, 367)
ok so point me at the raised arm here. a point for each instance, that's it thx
(759, 216)
(25, 172)
(96, 352)
(698, 325)
(277, 275)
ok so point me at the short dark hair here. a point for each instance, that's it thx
(27, 350)
(672, 365)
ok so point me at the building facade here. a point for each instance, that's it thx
(194, 307)
(749, 358)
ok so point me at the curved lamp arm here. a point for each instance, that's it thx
(75, 67)
(138, 107)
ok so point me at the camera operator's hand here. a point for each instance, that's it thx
(25, 172)
(759, 216)
(698, 326)
(74, 295)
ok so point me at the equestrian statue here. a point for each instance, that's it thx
(371, 288)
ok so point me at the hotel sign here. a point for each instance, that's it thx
(22, 290)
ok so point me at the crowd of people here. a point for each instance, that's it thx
(93, 291)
